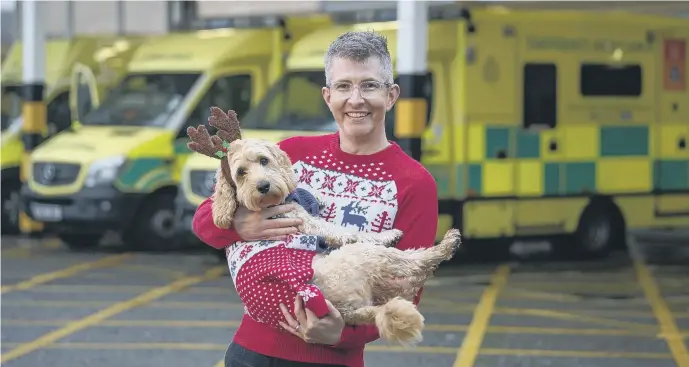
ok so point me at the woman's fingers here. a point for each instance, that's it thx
(278, 232)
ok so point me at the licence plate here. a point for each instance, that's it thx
(46, 212)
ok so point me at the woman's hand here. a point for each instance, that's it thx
(253, 226)
(309, 327)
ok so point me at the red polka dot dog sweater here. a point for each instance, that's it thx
(375, 192)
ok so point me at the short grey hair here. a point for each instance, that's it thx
(360, 46)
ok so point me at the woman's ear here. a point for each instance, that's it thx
(224, 200)
(393, 95)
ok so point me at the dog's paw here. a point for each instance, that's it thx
(392, 237)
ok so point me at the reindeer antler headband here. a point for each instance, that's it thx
(216, 146)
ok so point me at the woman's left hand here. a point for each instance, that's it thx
(309, 327)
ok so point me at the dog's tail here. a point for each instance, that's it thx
(400, 322)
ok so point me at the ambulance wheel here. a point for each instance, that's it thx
(153, 227)
(80, 242)
(10, 207)
(600, 230)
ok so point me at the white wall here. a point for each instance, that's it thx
(100, 17)
(214, 9)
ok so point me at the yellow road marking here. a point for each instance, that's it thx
(130, 323)
(90, 288)
(612, 287)
(576, 317)
(113, 310)
(466, 355)
(371, 348)
(428, 327)
(160, 271)
(668, 326)
(64, 273)
(587, 312)
(510, 293)
(166, 304)
(573, 353)
(22, 251)
(221, 363)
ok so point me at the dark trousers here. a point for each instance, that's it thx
(238, 356)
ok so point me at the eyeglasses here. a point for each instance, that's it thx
(367, 89)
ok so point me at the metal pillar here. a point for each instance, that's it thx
(411, 108)
(33, 105)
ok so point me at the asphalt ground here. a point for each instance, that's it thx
(110, 308)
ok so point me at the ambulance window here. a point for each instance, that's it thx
(540, 95)
(229, 93)
(58, 111)
(601, 80)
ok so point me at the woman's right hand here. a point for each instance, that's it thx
(254, 226)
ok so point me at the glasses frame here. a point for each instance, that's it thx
(357, 86)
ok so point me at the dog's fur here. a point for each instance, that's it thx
(359, 275)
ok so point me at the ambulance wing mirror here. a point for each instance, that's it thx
(84, 95)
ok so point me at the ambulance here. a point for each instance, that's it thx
(559, 125)
(118, 171)
(70, 64)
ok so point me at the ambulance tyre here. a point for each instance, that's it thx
(80, 242)
(153, 227)
(10, 207)
(601, 230)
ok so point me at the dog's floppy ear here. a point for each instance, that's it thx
(224, 199)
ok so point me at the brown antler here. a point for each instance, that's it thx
(215, 146)
(226, 123)
(202, 142)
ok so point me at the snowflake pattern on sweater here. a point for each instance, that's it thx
(267, 273)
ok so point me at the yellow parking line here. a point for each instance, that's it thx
(372, 348)
(573, 353)
(668, 326)
(428, 327)
(539, 295)
(552, 314)
(64, 273)
(130, 323)
(21, 251)
(113, 310)
(166, 304)
(90, 288)
(612, 287)
(466, 355)
(221, 363)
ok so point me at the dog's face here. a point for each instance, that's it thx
(262, 173)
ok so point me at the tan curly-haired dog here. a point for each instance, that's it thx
(356, 276)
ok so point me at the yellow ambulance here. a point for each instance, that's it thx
(119, 171)
(100, 60)
(568, 126)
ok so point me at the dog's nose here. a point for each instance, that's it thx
(263, 186)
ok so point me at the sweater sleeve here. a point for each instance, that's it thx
(417, 218)
(202, 223)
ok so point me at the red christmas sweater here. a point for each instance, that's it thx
(372, 192)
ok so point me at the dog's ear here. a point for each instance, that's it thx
(224, 198)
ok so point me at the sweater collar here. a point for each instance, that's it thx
(380, 156)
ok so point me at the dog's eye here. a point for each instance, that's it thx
(241, 172)
(263, 161)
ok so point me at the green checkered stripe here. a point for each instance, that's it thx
(614, 141)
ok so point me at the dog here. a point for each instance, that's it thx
(357, 271)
